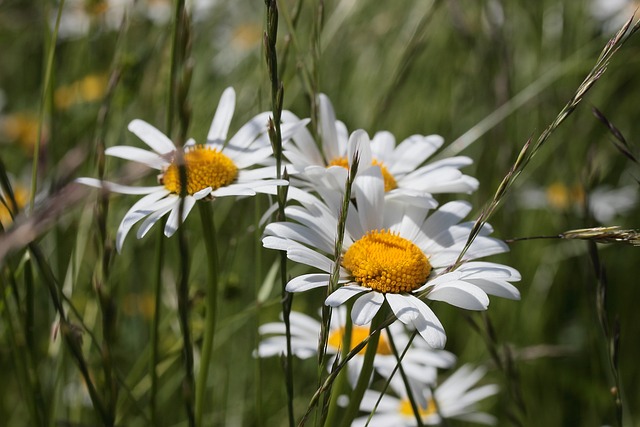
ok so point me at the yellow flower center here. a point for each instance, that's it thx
(386, 262)
(407, 410)
(389, 180)
(358, 333)
(206, 167)
(21, 197)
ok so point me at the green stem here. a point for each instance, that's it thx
(211, 301)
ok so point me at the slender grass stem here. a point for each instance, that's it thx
(211, 302)
(333, 284)
(275, 135)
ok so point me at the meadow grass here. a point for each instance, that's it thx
(90, 336)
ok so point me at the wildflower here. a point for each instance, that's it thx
(604, 202)
(90, 88)
(22, 128)
(394, 253)
(454, 398)
(305, 331)
(400, 165)
(214, 169)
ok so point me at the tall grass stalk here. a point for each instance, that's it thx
(333, 285)
(275, 135)
(530, 149)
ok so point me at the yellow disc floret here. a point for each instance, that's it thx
(358, 333)
(386, 262)
(407, 410)
(389, 180)
(205, 167)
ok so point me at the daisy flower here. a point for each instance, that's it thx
(214, 169)
(454, 398)
(394, 253)
(305, 331)
(400, 165)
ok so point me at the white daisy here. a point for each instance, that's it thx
(214, 169)
(400, 165)
(419, 360)
(454, 398)
(393, 252)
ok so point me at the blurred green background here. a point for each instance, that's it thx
(405, 66)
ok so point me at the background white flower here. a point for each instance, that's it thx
(215, 169)
(402, 165)
(454, 398)
(305, 332)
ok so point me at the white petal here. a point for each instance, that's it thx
(327, 119)
(369, 192)
(442, 219)
(288, 130)
(139, 210)
(360, 146)
(460, 294)
(499, 288)
(154, 217)
(198, 195)
(382, 145)
(403, 310)
(429, 326)
(248, 133)
(366, 307)
(414, 150)
(306, 282)
(118, 188)
(486, 270)
(343, 294)
(172, 222)
(222, 118)
(153, 160)
(151, 136)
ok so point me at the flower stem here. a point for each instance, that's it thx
(211, 301)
